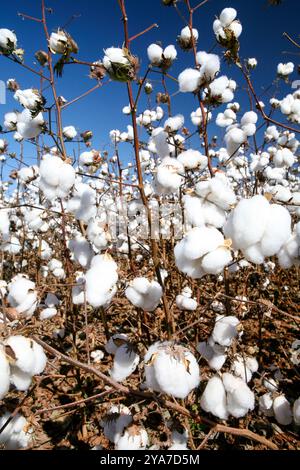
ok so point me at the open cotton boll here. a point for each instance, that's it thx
(171, 369)
(179, 440)
(201, 240)
(296, 411)
(283, 157)
(193, 159)
(4, 224)
(8, 41)
(184, 300)
(101, 280)
(126, 361)
(81, 250)
(266, 404)
(56, 177)
(154, 52)
(116, 420)
(213, 399)
(30, 99)
(144, 294)
(115, 342)
(28, 127)
(134, 438)
(215, 358)
(22, 295)
(159, 138)
(174, 123)
(16, 434)
(227, 15)
(69, 132)
(285, 69)
(217, 190)
(40, 358)
(189, 80)
(209, 66)
(187, 38)
(226, 119)
(56, 267)
(193, 211)
(48, 313)
(197, 116)
(225, 330)
(215, 261)
(23, 355)
(4, 374)
(244, 367)
(282, 410)
(170, 53)
(97, 234)
(240, 399)
(169, 175)
(10, 121)
(277, 230)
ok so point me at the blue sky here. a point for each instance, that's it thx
(99, 26)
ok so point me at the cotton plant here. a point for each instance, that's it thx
(228, 29)
(30, 99)
(144, 294)
(171, 369)
(24, 124)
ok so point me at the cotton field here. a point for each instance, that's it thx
(149, 286)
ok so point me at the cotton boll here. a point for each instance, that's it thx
(155, 52)
(225, 330)
(23, 354)
(8, 41)
(201, 240)
(277, 231)
(4, 224)
(213, 399)
(282, 410)
(116, 420)
(169, 175)
(134, 438)
(189, 80)
(266, 404)
(214, 359)
(296, 411)
(285, 69)
(192, 159)
(210, 65)
(170, 53)
(48, 313)
(40, 358)
(16, 434)
(249, 117)
(56, 177)
(217, 190)
(171, 369)
(69, 132)
(193, 211)
(244, 367)
(125, 362)
(28, 127)
(97, 234)
(159, 139)
(104, 270)
(144, 294)
(240, 399)
(270, 384)
(215, 261)
(4, 374)
(83, 202)
(115, 342)
(81, 250)
(186, 303)
(22, 295)
(227, 15)
(174, 123)
(179, 440)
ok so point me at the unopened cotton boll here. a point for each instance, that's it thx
(134, 438)
(116, 420)
(189, 80)
(144, 294)
(213, 399)
(282, 410)
(171, 369)
(126, 361)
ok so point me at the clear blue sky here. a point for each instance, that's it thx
(99, 26)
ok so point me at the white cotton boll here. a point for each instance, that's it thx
(197, 117)
(213, 399)
(126, 361)
(101, 280)
(225, 330)
(23, 353)
(277, 230)
(4, 374)
(285, 69)
(170, 52)
(226, 119)
(186, 35)
(58, 42)
(296, 411)
(4, 224)
(236, 28)
(97, 235)
(210, 65)
(218, 86)
(227, 15)
(218, 191)
(266, 404)
(48, 313)
(193, 211)
(201, 240)
(284, 157)
(271, 133)
(28, 127)
(155, 52)
(215, 359)
(21, 380)
(250, 117)
(171, 369)
(16, 434)
(69, 132)
(174, 123)
(159, 138)
(115, 342)
(116, 420)
(144, 294)
(56, 177)
(213, 214)
(270, 384)
(169, 176)
(185, 303)
(179, 440)
(22, 295)
(282, 410)
(40, 358)
(30, 98)
(81, 250)
(192, 159)
(10, 121)
(189, 80)
(244, 367)
(8, 40)
(134, 438)
(215, 261)
(240, 399)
